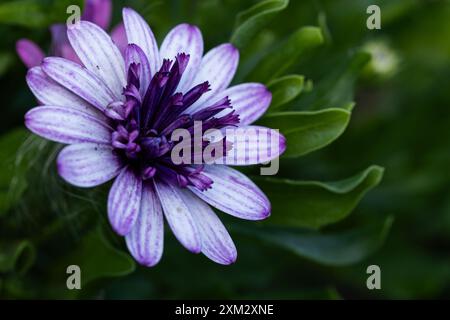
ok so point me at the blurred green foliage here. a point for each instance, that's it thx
(330, 79)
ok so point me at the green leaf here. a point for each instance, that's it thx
(27, 13)
(253, 52)
(35, 13)
(21, 151)
(97, 260)
(284, 90)
(308, 131)
(315, 204)
(322, 22)
(6, 60)
(252, 20)
(337, 88)
(309, 85)
(334, 249)
(16, 256)
(12, 170)
(284, 56)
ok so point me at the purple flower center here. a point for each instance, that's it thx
(144, 124)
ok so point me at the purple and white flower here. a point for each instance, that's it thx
(117, 114)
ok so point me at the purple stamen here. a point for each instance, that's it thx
(180, 122)
(144, 124)
(148, 173)
(211, 111)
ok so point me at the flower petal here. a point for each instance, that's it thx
(218, 67)
(98, 12)
(99, 54)
(50, 93)
(87, 164)
(146, 240)
(234, 193)
(124, 201)
(134, 54)
(66, 125)
(68, 53)
(138, 32)
(79, 80)
(59, 37)
(253, 145)
(249, 100)
(217, 244)
(188, 39)
(179, 216)
(29, 52)
(119, 36)
(60, 43)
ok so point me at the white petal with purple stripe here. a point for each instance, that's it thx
(184, 38)
(217, 244)
(146, 239)
(253, 145)
(234, 193)
(87, 164)
(179, 216)
(80, 81)
(218, 67)
(124, 201)
(50, 93)
(138, 32)
(249, 100)
(66, 125)
(99, 54)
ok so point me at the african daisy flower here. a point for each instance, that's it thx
(117, 115)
